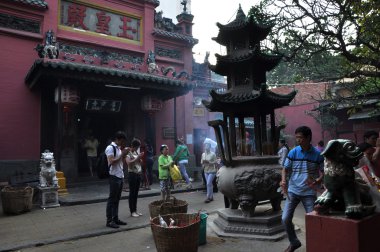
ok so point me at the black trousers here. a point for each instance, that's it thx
(116, 187)
(134, 181)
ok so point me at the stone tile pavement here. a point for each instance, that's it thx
(80, 222)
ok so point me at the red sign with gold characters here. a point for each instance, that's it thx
(77, 15)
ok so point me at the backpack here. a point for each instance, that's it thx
(102, 167)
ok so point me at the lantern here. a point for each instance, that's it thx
(69, 96)
(151, 104)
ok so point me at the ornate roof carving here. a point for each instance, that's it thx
(178, 36)
(44, 70)
(36, 3)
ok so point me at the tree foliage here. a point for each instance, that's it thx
(325, 40)
(304, 28)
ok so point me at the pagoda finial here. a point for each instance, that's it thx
(240, 13)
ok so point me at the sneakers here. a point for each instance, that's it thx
(112, 224)
(191, 179)
(140, 214)
(121, 223)
(189, 186)
(209, 200)
(292, 248)
(134, 214)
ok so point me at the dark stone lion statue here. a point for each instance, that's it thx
(344, 191)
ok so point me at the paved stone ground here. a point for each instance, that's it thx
(76, 226)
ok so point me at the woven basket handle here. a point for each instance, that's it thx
(174, 199)
(165, 203)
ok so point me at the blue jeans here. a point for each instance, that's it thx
(116, 187)
(209, 185)
(182, 169)
(287, 215)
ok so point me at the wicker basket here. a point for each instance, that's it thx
(183, 238)
(17, 200)
(167, 207)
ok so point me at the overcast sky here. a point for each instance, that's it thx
(206, 14)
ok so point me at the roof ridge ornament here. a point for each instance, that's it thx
(240, 15)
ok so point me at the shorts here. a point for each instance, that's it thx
(165, 185)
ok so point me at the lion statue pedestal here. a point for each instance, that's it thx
(48, 186)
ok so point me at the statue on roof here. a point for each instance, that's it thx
(184, 3)
(151, 61)
(50, 49)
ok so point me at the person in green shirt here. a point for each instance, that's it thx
(164, 163)
(181, 155)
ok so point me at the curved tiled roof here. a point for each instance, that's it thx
(44, 68)
(246, 103)
(241, 26)
(37, 3)
(174, 35)
(155, 2)
(247, 57)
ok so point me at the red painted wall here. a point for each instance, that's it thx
(19, 107)
(295, 116)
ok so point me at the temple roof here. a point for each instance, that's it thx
(36, 3)
(241, 26)
(246, 57)
(247, 103)
(47, 72)
(174, 35)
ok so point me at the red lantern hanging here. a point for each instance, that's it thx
(69, 98)
(151, 104)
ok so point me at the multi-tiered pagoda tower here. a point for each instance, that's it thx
(247, 180)
(245, 66)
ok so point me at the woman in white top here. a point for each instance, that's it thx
(133, 160)
(208, 162)
(283, 152)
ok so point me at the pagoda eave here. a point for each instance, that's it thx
(246, 104)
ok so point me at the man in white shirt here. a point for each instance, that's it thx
(115, 157)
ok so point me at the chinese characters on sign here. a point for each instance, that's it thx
(87, 18)
(103, 105)
(168, 133)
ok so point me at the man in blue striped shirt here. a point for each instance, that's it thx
(301, 174)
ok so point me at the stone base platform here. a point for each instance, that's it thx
(48, 197)
(265, 225)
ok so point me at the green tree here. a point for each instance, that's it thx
(309, 33)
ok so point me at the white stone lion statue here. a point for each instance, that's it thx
(48, 173)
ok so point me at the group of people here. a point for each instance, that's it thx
(302, 173)
(119, 154)
(181, 155)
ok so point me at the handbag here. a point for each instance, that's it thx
(175, 174)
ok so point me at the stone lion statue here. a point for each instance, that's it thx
(344, 190)
(48, 173)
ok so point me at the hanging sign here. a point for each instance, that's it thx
(103, 105)
(85, 17)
